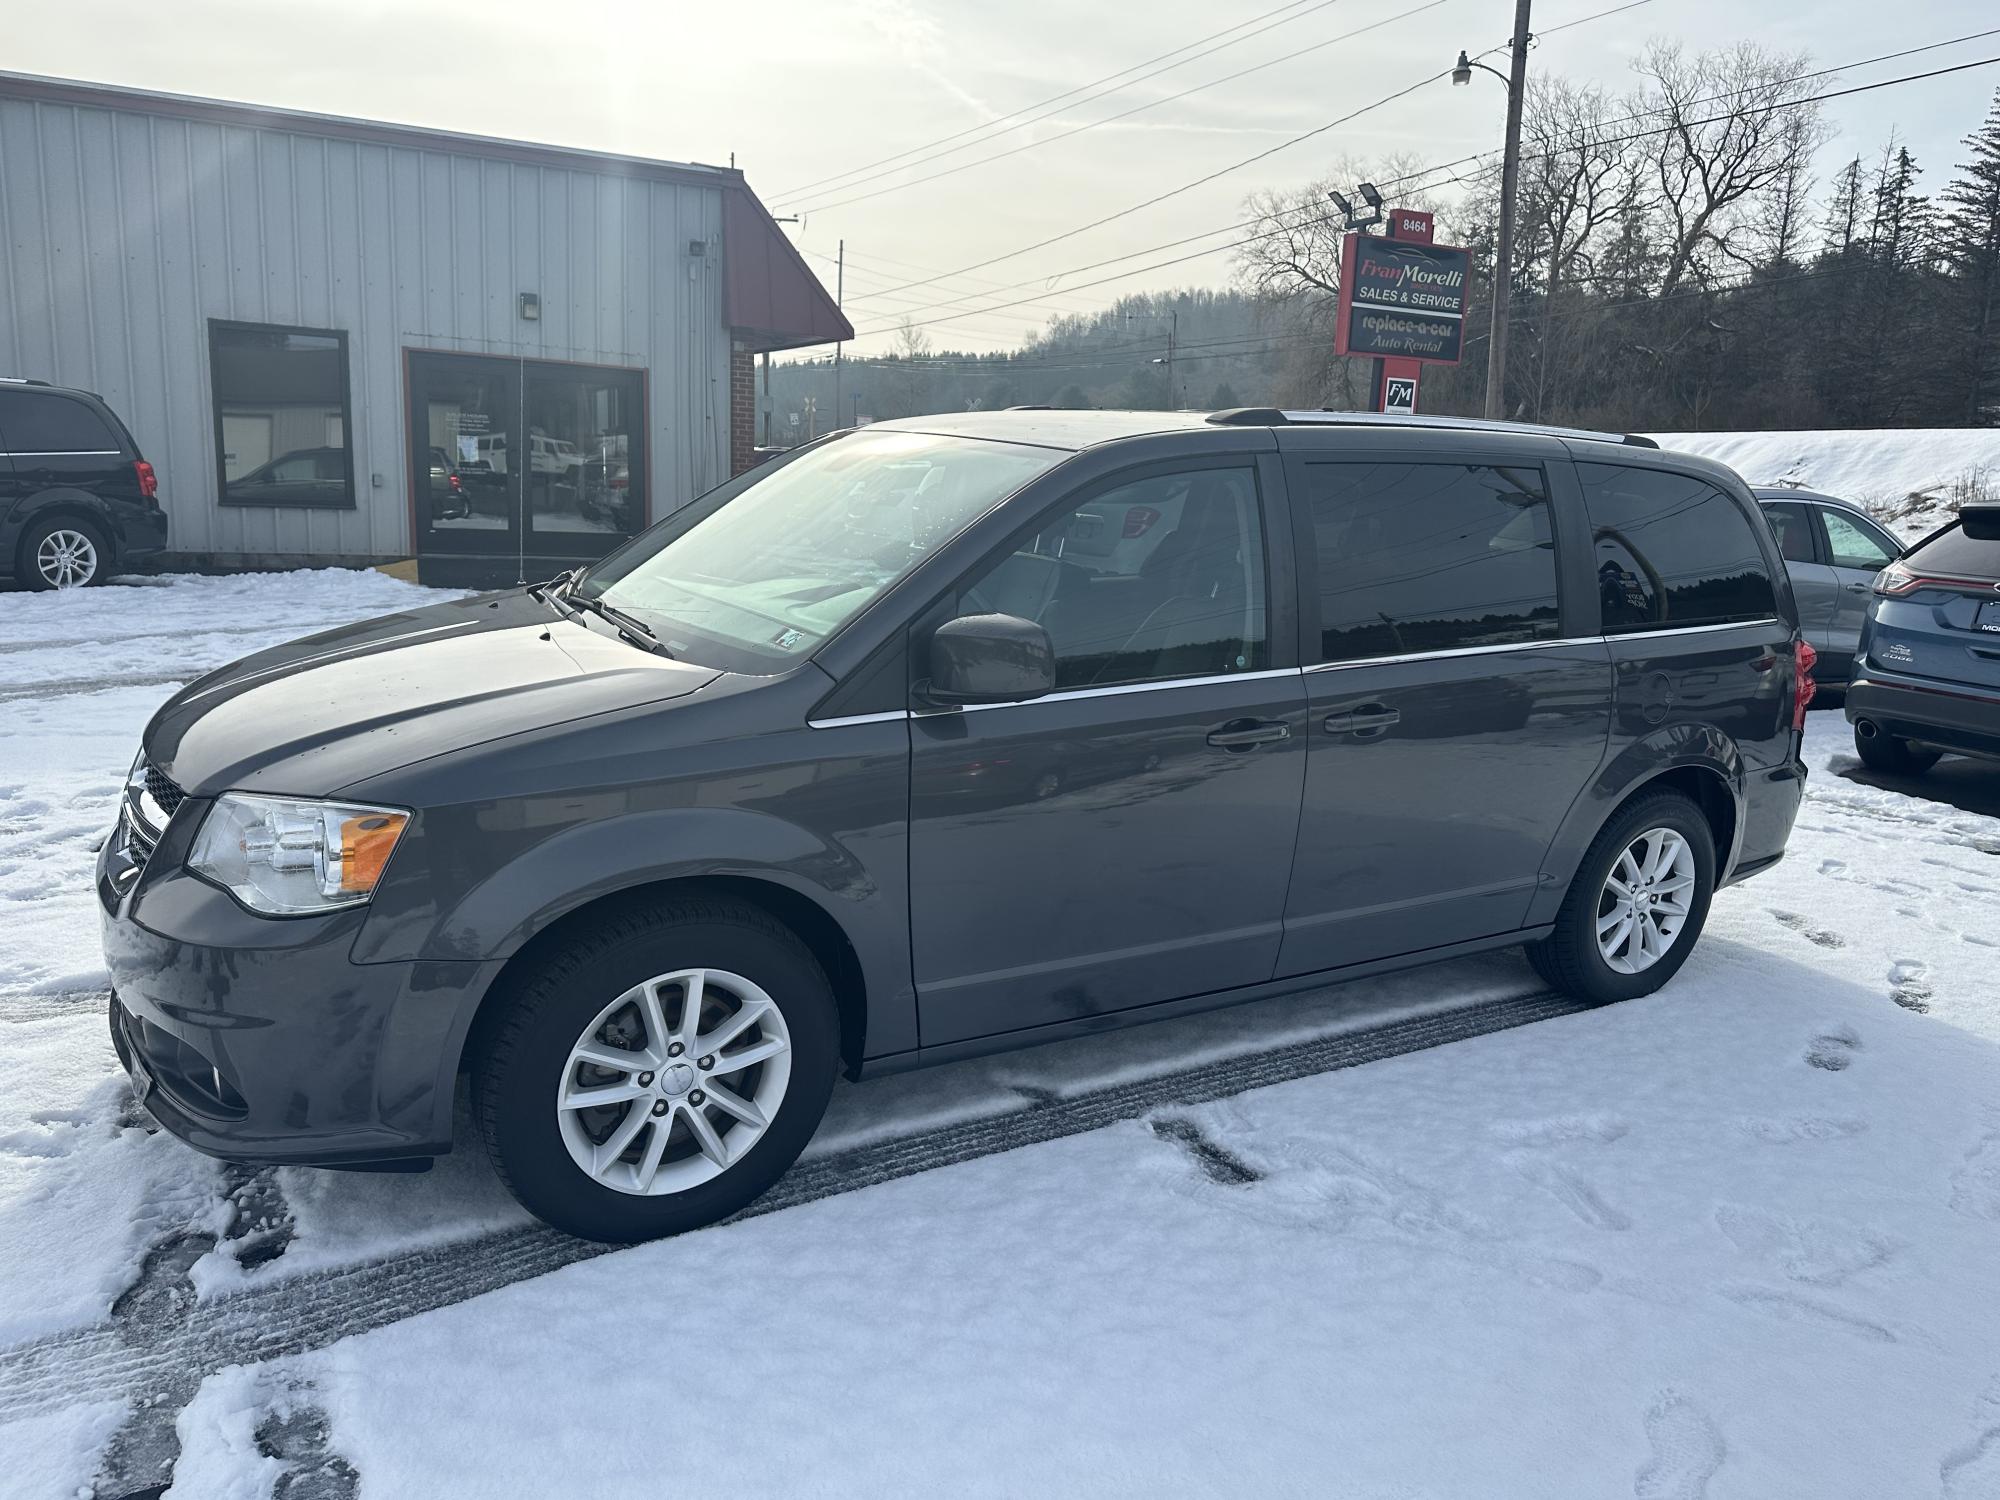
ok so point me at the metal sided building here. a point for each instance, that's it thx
(345, 342)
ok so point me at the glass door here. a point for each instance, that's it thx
(522, 468)
(465, 440)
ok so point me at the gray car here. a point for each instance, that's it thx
(857, 763)
(1832, 549)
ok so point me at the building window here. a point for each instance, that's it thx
(281, 415)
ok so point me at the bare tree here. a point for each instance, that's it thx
(1733, 123)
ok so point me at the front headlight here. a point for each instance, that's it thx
(285, 856)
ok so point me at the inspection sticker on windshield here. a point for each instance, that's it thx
(787, 638)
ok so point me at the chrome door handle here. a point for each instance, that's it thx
(1369, 718)
(1857, 588)
(1248, 734)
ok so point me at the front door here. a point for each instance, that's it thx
(1126, 839)
(1453, 722)
(522, 468)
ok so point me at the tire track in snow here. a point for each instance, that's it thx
(309, 1312)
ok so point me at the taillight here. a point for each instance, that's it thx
(1802, 691)
(1897, 580)
(1139, 519)
(149, 482)
(456, 483)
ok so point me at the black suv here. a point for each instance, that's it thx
(77, 499)
(943, 736)
(1927, 679)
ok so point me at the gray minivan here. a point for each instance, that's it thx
(862, 761)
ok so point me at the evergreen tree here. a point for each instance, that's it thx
(1971, 249)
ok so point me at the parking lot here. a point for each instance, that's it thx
(1735, 1239)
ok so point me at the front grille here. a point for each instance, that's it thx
(163, 791)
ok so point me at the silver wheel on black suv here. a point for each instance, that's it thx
(62, 554)
(657, 1070)
(1636, 904)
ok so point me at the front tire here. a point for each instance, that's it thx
(657, 1071)
(62, 553)
(1636, 905)
(1891, 754)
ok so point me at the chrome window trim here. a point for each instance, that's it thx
(60, 452)
(1450, 651)
(1120, 688)
(842, 721)
(1627, 635)
(1568, 640)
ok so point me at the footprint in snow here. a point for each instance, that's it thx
(1833, 867)
(1796, 1309)
(1787, 1130)
(1687, 1450)
(1804, 928)
(1909, 985)
(1834, 1051)
(1818, 1252)
(1975, 1186)
(1569, 1189)
(1972, 1471)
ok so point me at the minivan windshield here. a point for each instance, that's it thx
(760, 582)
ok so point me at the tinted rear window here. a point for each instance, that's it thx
(1671, 550)
(1431, 557)
(38, 422)
(1957, 555)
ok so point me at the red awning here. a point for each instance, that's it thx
(774, 300)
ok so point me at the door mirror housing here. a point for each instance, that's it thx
(990, 659)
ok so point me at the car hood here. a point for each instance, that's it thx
(318, 714)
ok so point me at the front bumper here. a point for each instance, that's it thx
(1962, 719)
(258, 1040)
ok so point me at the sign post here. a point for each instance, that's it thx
(1402, 300)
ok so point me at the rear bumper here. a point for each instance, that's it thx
(1952, 718)
(258, 1040)
(142, 532)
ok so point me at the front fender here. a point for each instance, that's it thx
(1670, 748)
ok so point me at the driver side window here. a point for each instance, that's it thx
(1156, 579)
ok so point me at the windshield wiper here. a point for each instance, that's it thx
(631, 627)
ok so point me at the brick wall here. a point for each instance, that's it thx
(742, 409)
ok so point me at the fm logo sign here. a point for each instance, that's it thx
(1399, 396)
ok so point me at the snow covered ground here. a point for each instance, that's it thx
(1736, 1240)
(1912, 479)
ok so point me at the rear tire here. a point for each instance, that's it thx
(63, 553)
(1893, 755)
(1654, 864)
(665, 1155)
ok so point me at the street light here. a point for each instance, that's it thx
(1516, 80)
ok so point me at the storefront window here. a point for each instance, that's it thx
(281, 415)
(584, 470)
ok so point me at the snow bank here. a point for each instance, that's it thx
(1911, 479)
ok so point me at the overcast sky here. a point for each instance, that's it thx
(801, 92)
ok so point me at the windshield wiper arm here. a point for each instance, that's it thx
(631, 627)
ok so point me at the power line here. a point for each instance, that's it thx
(1121, 115)
(1198, 182)
(1537, 156)
(1000, 127)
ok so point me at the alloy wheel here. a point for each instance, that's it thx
(674, 1082)
(1646, 900)
(66, 559)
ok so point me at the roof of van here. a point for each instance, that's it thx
(1053, 428)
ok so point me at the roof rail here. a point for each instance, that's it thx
(21, 380)
(1268, 416)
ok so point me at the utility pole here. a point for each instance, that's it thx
(1173, 337)
(1503, 251)
(839, 295)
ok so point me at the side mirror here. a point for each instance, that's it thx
(990, 659)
